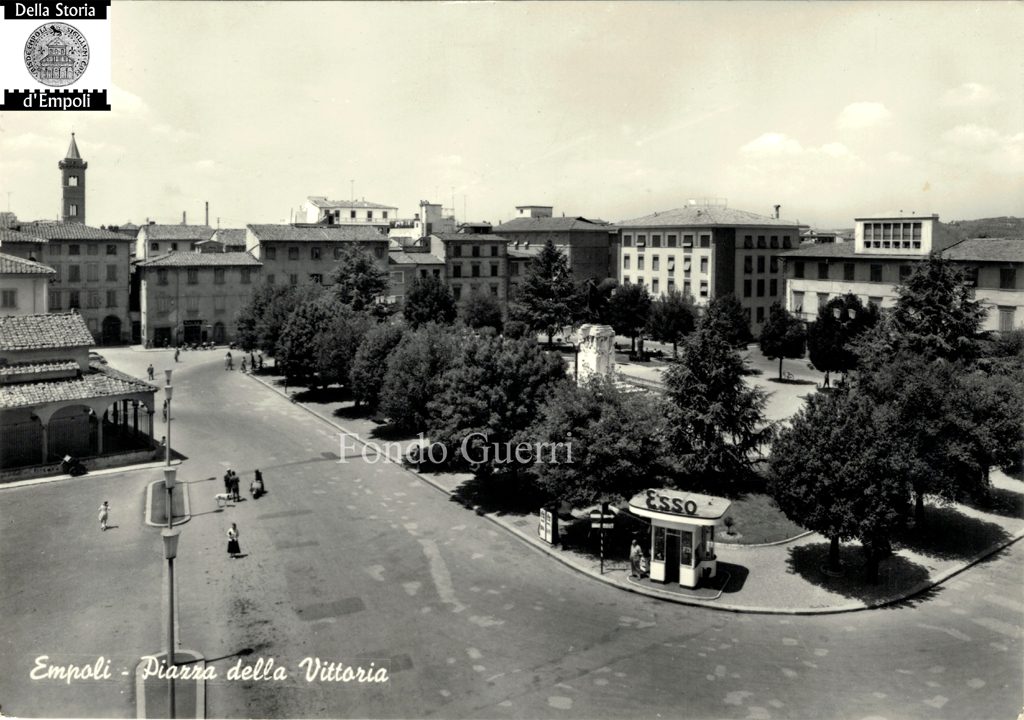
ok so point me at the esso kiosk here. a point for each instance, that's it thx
(682, 533)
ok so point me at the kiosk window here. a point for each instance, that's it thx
(686, 548)
(659, 544)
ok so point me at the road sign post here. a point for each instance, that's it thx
(601, 520)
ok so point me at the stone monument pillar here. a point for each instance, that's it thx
(597, 352)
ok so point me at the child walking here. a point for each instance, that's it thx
(104, 514)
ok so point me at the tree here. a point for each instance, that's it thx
(995, 402)
(357, 278)
(836, 470)
(429, 300)
(414, 373)
(547, 300)
(629, 309)
(832, 338)
(299, 349)
(612, 443)
(672, 317)
(783, 336)
(726, 315)
(595, 300)
(337, 342)
(936, 314)
(481, 310)
(262, 320)
(716, 422)
(489, 396)
(370, 364)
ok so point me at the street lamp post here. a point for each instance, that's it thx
(170, 538)
(169, 390)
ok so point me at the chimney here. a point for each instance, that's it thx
(776, 211)
(183, 218)
(207, 213)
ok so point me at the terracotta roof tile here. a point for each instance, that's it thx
(71, 231)
(1007, 249)
(199, 259)
(11, 265)
(553, 224)
(99, 382)
(316, 233)
(53, 330)
(14, 236)
(710, 216)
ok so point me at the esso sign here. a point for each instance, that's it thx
(661, 503)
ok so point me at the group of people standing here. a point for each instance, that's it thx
(231, 486)
(251, 364)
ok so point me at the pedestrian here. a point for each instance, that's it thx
(104, 514)
(259, 357)
(256, 487)
(636, 556)
(234, 549)
(177, 353)
(165, 411)
(235, 483)
(252, 361)
(243, 363)
(227, 361)
(150, 371)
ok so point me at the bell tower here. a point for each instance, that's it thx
(72, 182)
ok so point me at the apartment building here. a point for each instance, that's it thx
(298, 253)
(473, 263)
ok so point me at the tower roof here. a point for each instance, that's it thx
(73, 150)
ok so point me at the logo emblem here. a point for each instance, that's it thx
(56, 54)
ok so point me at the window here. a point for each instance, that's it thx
(293, 253)
(111, 273)
(687, 241)
(56, 267)
(494, 269)
(293, 279)
(9, 298)
(154, 247)
(671, 285)
(705, 241)
(641, 240)
(748, 241)
(92, 272)
(74, 249)
(369, 214)
(74, 273)
(314, 253)
(475, 270)
(94, 299)
(905, 271)
(55, 300)
(457, 292)
(773, 287)
(656, 241)
(111, 249)
(246, 276)
(73, 210)
(876, 273)
(625, 262)
(703, 288)
(72, 181)
(625, 279)
(748, 264)
(876, 301)
(317, 278)
(760, 263)
(218, 276)
(494, 251)
(746, 312)
(848, 271)
(773, 263)
(686, 265)
(673, 240)
(219, 304)
(457, 270)
(798, 302)
(655, 263)
(654, 286)
(761, 242)
(54, 248)
(686, 287)
(704, 265)
(378, 252)
(161, 277)
(192, 303)
(798, 269)
(111, 298)
(74, 300)
(760, 287)
(513, 268)
(476, 251)
(823, 271)
(917, 245)
(747, 287)
(271, 279)
(774, 242)
(352, 214)
(760, 315)
(397, 277)
(384, 214)
(1007, 278)
(174, 246)
(457, 250)
(92, 249)
(1006, 319)
(786, 242)
(271, 253)
(193, 276)
(494, 290)
(671, 266)
(971, 276)
(640, 263)
(627, 241)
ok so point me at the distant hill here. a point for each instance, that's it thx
(987, 227)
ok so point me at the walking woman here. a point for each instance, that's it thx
(104, 514)
(234, 550)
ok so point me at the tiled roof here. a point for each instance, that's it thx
(836, 251)
(1007, 249)
(317, 233)
(398, 257)
(198, 259)
(100, 381)
(553, 224)
(524, 253)
(231, 236)
(322, 202)
(470, 237)
(11, 265)
(29, 368)
(52, 330)
(73, 150)
(178, 232)
(71, 231)
(705, 216)
(14, 236)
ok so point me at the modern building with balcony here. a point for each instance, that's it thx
(319, 210)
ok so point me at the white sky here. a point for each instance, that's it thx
(609, 110)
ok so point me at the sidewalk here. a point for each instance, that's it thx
(776, 579)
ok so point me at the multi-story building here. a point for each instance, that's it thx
(24, 286)
(93, 274)
(318, 209)
(299, 254)
(154, 239)
(406, 265)
(881, 255)
(995, 267)
(194, 297)
(22, 244)
(587, 244)
(473, 263)
(430, 219)
(707, 251)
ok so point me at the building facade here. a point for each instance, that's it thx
(587, 244)
(473, 263)
(24, 286)
(319, 210)
(708, 251)
(153, 239)
(299, 254)
(405, 266)
(192, 297)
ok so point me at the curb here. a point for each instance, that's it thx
(530, 541)
(91, 473)
(184, 500)
(722, 544)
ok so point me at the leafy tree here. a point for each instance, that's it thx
(726, 315)
(481, 310)
(783, 336)
(595, 300)
(996, 404)
(547, 300)
(831, 339)
(936, 314)
(262, 320)
(414, 373)
(716, 422)
(612, 443)
(371, 362)
(516, 330)
(836, 470)
(357, 278)
(429, 300)
(629, 309)
(672, 317)
(490, 395)
(299, 349)
(337, 342)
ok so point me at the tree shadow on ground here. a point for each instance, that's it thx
(999, 501)
(325, 395)
(791, 381)
(948, 534)
(392, 433)
(500, 494)
(354, 412)
(896, 574)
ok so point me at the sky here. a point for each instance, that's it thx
(603, 110)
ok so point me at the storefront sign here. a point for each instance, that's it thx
(675, 505)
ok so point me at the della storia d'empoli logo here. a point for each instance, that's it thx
(56, 54)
